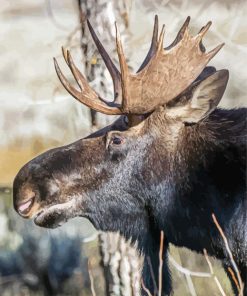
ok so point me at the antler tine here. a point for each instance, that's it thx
(74, 92)
(214, 51)
(153, 46)
(167, 73)
(203, 31)
(161, 38)
(200, 35)
(89, 97)
(180, 33)
(79, 78)
(65, 54)
(124, 70)
(115, 74)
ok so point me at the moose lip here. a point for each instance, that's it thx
(49, 218)
(55, 215)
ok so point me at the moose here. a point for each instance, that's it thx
(170, 160)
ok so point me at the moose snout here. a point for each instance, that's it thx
(25, 201)
(25, 194)
(35, 186)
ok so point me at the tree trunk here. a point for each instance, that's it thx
(120, 260)
(122, 265)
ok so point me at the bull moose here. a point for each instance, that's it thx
(169, 161)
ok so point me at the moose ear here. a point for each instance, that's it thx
(205, 97)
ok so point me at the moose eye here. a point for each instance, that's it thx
(126, 120)
(116, 140)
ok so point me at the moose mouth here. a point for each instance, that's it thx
(56, 215)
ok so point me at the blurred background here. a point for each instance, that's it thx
(37, 113)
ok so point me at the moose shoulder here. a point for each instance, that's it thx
(167, 163)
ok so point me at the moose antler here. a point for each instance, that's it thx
(164, 74)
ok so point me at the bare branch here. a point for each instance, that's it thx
(187, 271)
(234, 277)
(190, 285)
(212, 273)
(91, 278)
(152, 275)
(145, 288)
(161, 261)
(208, 261)
(234, 265)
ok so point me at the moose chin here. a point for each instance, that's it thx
(169, 161)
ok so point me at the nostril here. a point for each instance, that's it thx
(24, 196)
(25, 207)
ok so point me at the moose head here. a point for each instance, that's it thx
(115, 177)
(110, 175)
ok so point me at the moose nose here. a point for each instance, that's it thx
(25, 207)
(25, 202)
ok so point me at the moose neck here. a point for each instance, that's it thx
(205, 174)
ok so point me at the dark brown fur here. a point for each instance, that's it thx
(169, 172)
